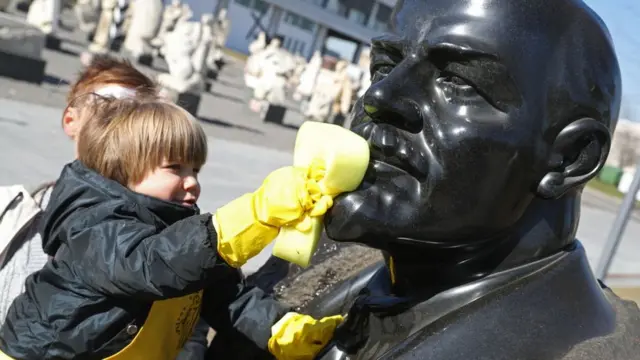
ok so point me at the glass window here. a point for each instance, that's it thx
(306, 24)
(261, 6)
(380, 26)
(338, 7)
(289, 18)
(316, 2)
(299, 22)
(384, 13)
(343, 9)
(246, 3)
(333, 5)
(381, 21)
(357, 16)
(355, 10)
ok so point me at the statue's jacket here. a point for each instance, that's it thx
(130, 277)
(549, 310)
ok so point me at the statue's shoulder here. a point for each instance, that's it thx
(622, 343)
(558, 313)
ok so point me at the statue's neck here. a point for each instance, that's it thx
(546, 227)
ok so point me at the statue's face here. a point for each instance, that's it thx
(454, 118)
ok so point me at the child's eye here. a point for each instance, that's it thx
(174, 167)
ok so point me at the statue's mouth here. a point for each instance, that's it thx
(392, 150)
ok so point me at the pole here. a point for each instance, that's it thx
(619, 225)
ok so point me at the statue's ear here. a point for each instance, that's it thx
(579, 152)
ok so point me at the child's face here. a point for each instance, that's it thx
(173, 182)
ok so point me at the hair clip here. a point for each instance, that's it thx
(116, 91)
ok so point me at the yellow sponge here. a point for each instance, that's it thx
(345, 157)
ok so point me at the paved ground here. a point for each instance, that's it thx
(243, 150)
(224, 109)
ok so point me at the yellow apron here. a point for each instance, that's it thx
(169, 325)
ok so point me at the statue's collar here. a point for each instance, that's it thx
(375, 314)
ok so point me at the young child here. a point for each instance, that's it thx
(136, 265)
(26, 254)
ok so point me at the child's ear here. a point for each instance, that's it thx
(70, 122)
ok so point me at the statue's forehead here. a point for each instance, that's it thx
(498, 25)
(519, 36)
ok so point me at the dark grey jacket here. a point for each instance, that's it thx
(116, 252)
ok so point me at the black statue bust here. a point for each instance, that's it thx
(485, 119)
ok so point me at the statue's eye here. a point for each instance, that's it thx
(455, 88)
(454, 80)
(382, 69)
(383, 60)
(479, 78)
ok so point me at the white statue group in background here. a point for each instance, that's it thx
(267, 72)
(252, 66)
(332, 93)
(307, 81)
(221, 28)
(326, 91)
(44, 14)
(173, 13)
(185, 51)
(146, 16)
(193, 49)
(190, 47)
(323, 90)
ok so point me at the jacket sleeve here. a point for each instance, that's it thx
(121, 256)
(242, 317)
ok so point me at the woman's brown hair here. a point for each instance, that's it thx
(107, 70)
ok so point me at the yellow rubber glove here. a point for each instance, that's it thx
(249, 223)
(301, 337)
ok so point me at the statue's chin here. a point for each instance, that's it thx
(345, 221)
(384, 206)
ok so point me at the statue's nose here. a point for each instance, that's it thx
(387, 102)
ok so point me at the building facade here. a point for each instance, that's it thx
(342, 28)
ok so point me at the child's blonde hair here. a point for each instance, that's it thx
(125, 139)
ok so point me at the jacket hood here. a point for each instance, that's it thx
(79, 187)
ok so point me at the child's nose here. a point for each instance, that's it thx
(191, 183)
